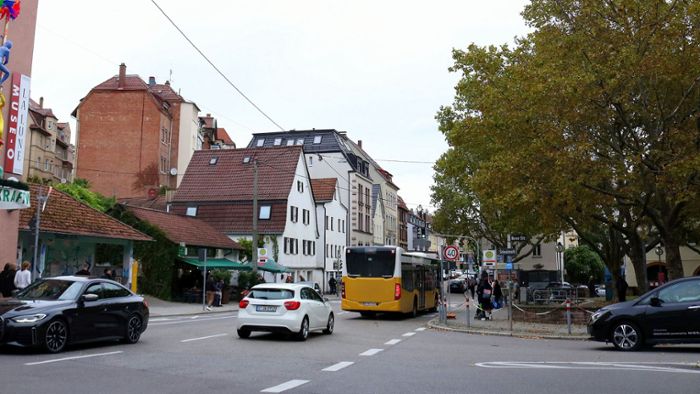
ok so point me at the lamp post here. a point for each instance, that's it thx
(560, 261)
(659, 251)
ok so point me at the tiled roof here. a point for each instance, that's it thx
(62, 125)
(230, 179)
(402, 204)
(131, 82)
(237, 218)
(65, 215)
(34, 106)
(159, 203)
(185, 229)
(223, 136)
(323, 188)
(208, 121)
(165, 92)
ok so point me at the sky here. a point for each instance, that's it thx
(376, 69)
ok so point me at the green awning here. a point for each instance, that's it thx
(271, 266)
(216, 263)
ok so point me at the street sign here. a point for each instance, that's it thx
(518, 237)
(507, 252)
(489, 256)
(509, 266)
(451, 253)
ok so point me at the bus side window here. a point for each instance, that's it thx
(407, 280)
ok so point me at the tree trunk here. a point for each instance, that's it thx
(674, 264)
(637, 255)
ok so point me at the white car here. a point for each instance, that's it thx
(284, 307)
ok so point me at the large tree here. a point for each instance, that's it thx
(592, 116)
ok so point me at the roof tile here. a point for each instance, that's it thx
(323, 189)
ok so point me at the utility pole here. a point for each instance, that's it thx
(40, 201)
(254, 246)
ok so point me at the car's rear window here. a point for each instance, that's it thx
(271, 294)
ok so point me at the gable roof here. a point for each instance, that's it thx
(230, 179)
(402, 204)
(159, 203)
(323, 189)
(191, 231)
(377, 195)
(237, 217)
(223, 136)
(131, 82)
(65, 215)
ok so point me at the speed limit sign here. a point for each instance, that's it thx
(451, 253)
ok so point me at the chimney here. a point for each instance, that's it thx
(208, 115)
(151, 81)
(122, 76)
(167, 83)
(359, 143)
(41, 102)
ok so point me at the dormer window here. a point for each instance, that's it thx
(264, 212)
(300, 141)
(260, 142)
(213, 160)
(317, 139)
(191, 211)
(290, 142)
(246, 159)
(278, 141)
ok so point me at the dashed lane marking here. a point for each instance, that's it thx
(342, 313)
(582, 365)
(409, 334)
(200, 338)
(371, 352)
(55, 360)
(392, 342)
(285, 386)
(420, 329)
(338, 366)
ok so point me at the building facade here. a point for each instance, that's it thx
(49, 155)
(331, 215)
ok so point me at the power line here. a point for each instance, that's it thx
(214, 66)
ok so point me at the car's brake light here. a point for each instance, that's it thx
(242, 304)
(397, 291)
(292, 305)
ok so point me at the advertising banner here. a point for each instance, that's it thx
(17, 124)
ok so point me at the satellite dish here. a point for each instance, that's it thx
(173, 171)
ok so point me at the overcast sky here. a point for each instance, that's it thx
(376, 69)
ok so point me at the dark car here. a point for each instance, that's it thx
(55, 312)
(667, 314)
(458, 286)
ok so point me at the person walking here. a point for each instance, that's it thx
(591, 287)
(621, 286)
(84, 271)
(497, 295)
(108, 274)
(332, 283)
(23, 278)
(483, 292)
(211, 291)
(7, 279)
(472, 286)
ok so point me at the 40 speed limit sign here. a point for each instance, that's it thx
(451, 253)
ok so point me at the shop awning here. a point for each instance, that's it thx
(271, 266)
(216, 263)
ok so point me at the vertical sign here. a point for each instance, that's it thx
(17, 125)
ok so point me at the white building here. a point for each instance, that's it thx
(331, 215)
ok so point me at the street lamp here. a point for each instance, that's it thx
(560, 262)
(659, 251)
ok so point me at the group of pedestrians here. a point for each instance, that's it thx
(489, 296)
(11, 279)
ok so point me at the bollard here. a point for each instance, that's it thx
(467, 308)
(568, 314)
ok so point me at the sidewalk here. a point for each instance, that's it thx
(499, 325)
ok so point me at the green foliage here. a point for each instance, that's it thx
(79, 189)
(247, 253)
(157, 259)
(221, 274)
(246, 279)
(581, 263)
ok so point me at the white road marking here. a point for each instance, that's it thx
(189, 321)
(285, 386)
(392, 342)
(371, 352)
(159, 319)
(409, 334)
(200, 338)
(620, 366)
(420, 329)
(338, 366)
(194, 317)
(73, 358)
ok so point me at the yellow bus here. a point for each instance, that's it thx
(387, 279)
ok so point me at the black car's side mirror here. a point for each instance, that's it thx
(89, 297)
(655, 301)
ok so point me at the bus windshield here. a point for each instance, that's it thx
(371, 263)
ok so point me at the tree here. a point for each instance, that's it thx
(581, 263)
(80, 190)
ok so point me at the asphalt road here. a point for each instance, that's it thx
(383, 355)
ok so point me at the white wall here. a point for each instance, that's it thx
(189, 139)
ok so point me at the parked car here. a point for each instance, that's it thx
(458, 286)
(56, 312)
(667, 314)
(600, 290)
(313, 285)
(559, 285)
(290, 308)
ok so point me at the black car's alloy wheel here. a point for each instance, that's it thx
(56, 336)
(626, 336)
(329, 326)
(133, 329)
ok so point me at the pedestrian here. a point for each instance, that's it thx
(483, 292)
(472, 286)
(210, 289)
(7, 279)
(218, 288)
(289, 279)
(85, 270)
(23, 278)
(621, 286)
(108, 274)
(591, 287)
(332, 284)
(497, 295)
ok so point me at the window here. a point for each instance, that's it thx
(260, 142)
(213, 160)
(300, 186)
(191, 211)
(306, 216)
(110, 290)
(688, 291)
(47, 165)
(311, 161)
(296, 245)
(264, 212)
(246, 159)
(367, 223)
(290, 142)
(331, 220)
(95, 289)
(303, 247)
(278, 141)
(326, 250)
(339, 226)
(360, 193)
(313, 248)
(536, 251)
(317, 139)
(343, 226)
(286, 245)
(294, 214)
(300, 141)
(360, 221)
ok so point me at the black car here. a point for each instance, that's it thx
(667, 314)
(55, 312)
(457, 286)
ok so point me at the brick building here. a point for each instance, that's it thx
(134, 137)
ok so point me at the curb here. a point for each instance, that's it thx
(190, 313)
(515, 334)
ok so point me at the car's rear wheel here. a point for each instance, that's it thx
(304, 330)
(626, 336)
(134, 326)
(329, 326)
(243, 333)
(56, 336)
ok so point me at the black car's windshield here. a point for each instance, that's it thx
(51, 289)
